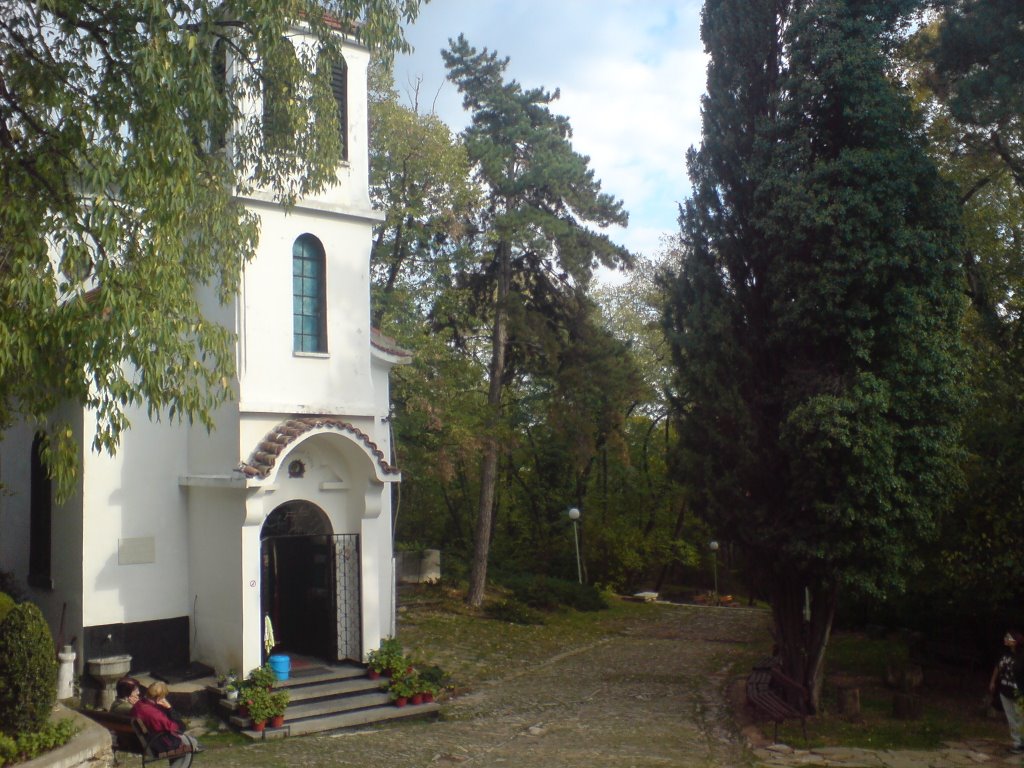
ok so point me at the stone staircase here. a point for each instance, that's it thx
(329, 698)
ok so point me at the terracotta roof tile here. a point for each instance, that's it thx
(263, 459)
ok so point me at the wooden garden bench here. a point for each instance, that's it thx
(148, 749)
(770, 690)
(122, 736)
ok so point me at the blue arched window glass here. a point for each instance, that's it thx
(309, 304)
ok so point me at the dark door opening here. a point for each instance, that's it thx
(298, 594)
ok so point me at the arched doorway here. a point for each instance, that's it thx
(309, 583)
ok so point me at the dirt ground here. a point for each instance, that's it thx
(654, 691)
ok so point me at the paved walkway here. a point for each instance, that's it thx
(652, 695)
(959, 755)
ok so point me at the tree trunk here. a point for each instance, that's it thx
(489, 460)
(801, 642)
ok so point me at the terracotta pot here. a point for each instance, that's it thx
(428, 697)
(373, 674)
(277, 721)
(260, 725)
(417, 698)
(401, 701)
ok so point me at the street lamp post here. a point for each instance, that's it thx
(574, 515)
(713, 546)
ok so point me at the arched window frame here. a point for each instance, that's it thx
(309, 295)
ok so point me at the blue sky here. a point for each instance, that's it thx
(630, 72)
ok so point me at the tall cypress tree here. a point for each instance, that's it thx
(815, 315)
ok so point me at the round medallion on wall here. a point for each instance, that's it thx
(297, 468)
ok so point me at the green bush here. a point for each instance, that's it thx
(28, 671)
(6, 605)
(34, 743)
(547, 594)
(513, 611)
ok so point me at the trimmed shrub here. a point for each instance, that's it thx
(512, 611)
(547, 594)
(28, 671)
(6, 605)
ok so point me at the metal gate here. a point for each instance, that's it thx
(346, 591)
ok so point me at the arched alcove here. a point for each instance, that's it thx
(297, 590)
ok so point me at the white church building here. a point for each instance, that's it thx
(189, 546)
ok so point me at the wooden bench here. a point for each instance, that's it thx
(122, 737)
(128, 735)
(150, 751)
(771, 691)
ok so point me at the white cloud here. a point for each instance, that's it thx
(630, 75)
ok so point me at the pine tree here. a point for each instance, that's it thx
(536, 234)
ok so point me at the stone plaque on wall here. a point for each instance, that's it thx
(136, 551)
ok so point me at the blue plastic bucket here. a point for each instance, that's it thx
(281, 666)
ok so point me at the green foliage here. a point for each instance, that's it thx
(259, 701)
(28, 671)
(31, 744)
(6, 605)
(549, 594)
(388, 657)
(261, 677)
(279, 702)
(513, 612)
(120, 208)
(815, 316)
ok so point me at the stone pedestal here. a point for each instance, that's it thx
(66, 673)
(107, 670)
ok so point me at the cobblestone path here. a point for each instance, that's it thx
(652, 693)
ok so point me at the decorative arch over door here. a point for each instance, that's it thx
(309, 584)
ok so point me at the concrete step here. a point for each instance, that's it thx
(346, 720)
(333, 688)
(339, 704)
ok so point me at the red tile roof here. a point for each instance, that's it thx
(263, 459)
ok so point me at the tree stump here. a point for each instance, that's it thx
(906, 706)
(848, 701)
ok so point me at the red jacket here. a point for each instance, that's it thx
(155, 717)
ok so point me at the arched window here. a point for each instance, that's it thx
(309, 296)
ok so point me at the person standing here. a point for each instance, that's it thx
(1004, 680)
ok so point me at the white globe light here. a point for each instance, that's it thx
(574, 514)
(713, 546)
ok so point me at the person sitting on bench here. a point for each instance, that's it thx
(165, 725)
(128, 692)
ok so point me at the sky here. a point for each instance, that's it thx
(630, 72)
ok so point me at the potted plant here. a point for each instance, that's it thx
(388, 659)
(279, 699)
(401, 689)
(260, 704)
(262, 677)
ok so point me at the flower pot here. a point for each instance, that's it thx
(277, 721)
(259, 726)
(231, 695)
(373, 674)
(428, 697)
(243, 711)
(417, 698)
(401, 701)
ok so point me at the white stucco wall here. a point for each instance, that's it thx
(131, 501)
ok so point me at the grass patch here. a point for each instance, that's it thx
(951, 702)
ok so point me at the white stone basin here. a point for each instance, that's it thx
(109, 669)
